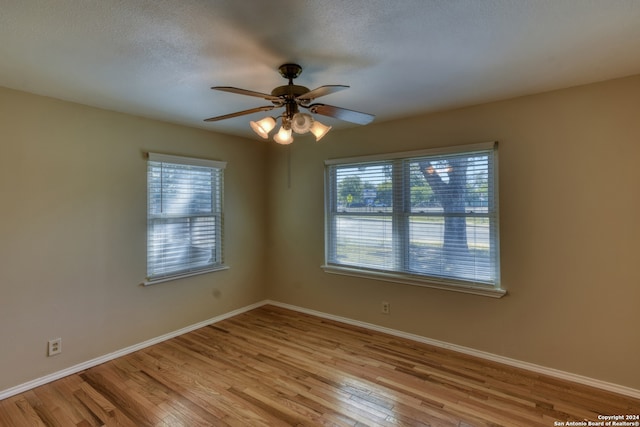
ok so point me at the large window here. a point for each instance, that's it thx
(184, 216)
(424, 217)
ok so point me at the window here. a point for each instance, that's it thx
(424, 217)
(184, 216)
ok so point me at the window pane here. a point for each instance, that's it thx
(465, 260)
(364, 241)
(180, 189)
(181, 244)
(449, 183)
(364, 188)
(452, 238)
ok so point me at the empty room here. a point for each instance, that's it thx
(363, 213)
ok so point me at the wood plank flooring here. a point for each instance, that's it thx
(274, 367)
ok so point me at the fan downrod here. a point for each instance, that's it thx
(290, 71)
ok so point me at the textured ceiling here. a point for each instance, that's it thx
(158, 58)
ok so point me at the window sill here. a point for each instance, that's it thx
(486, 291)
(149, 282)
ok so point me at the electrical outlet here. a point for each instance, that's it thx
(385, 307)
(55, 347)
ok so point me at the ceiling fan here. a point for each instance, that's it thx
(293, 98)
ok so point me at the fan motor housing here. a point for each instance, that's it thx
(289, 91)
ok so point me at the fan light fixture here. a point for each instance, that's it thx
(300, 123)
(283, 136)
(319, 130)
(264, 126)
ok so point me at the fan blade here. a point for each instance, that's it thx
(240, 113)
(239, 91)
(342, 114)
(321, 91)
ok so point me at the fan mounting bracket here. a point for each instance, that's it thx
(289, 91)
(290, 71)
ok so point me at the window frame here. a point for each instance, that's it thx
(217, 215)
(400, 220)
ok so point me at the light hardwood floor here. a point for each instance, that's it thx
(275, 367)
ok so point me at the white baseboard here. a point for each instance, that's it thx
(615, 388)
(567, 376)
(107, 357)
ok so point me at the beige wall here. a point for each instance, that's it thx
(569, 170)
(73, 230)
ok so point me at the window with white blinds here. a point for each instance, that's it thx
(424, 216)
(184, 216)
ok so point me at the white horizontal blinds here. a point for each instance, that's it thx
(452, 218)
(361, 226)
(430, 215)
(184, 215)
